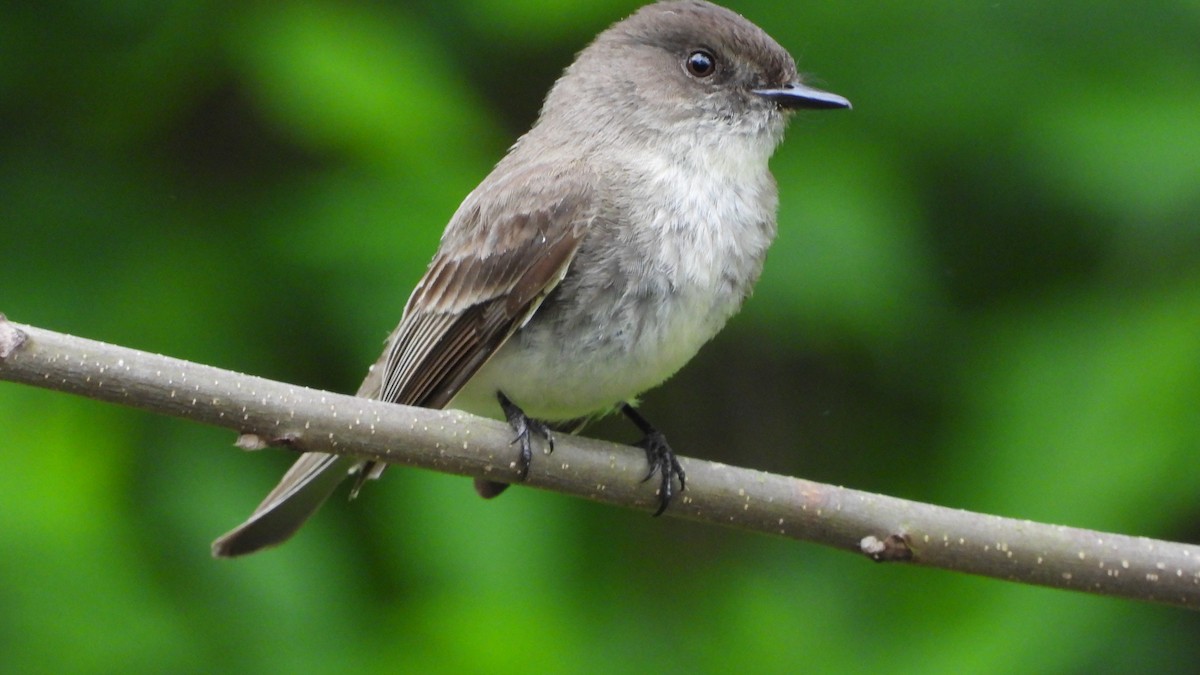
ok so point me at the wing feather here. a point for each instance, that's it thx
(468, 303)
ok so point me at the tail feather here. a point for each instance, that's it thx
(298, 495)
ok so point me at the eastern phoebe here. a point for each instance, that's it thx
(614, 239)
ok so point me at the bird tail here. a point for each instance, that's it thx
(299, 494)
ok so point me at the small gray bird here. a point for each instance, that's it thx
(614, 239)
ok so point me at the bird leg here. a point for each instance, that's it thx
(659, 455)
(524, 426)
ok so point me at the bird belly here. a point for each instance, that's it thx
(561, 368)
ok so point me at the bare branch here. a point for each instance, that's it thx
(879, 527)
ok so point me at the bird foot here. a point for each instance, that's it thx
(524, 426)
(659, 456)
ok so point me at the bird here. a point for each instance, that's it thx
(610, 243)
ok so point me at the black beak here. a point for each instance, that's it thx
(796, 96)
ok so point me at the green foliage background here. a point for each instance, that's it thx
(985, 294)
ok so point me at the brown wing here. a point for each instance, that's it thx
(487, 279)
(496, 263)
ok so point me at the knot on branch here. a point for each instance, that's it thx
(11, 338)
(893, 548)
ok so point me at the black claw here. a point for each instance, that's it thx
(659, 456)
(523, 425)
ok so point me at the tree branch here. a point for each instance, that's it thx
(880, 527)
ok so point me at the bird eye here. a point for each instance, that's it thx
(701, 63)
